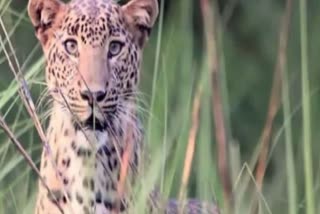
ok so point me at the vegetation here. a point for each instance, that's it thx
(267, 55)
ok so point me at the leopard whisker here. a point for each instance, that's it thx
(142, 102)
(111, 107)
(128, 116)
(78, 111)
(76, 106)
(41, 98)
(140, 109)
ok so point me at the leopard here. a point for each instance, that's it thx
(93, 52)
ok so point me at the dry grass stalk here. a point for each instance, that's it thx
(26, 156)
(191, 142)
(275, 98)
(125, 163)
(220, 132)
(24, 91)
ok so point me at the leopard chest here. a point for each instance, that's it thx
(88, 164)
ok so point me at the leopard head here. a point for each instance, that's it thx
(93, 51)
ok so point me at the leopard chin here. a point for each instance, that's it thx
(91, 123)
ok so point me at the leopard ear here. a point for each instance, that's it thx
(45, 15)
(141, 16)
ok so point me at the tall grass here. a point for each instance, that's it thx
(308, 173)
(174, 67)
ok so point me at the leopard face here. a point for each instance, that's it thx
(93, 50)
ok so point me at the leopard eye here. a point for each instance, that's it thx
(115, 48)
(71, 46)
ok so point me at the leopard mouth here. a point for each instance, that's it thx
(97, 118)
(91, 123)
(94, 123)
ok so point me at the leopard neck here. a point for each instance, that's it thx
(82, 158)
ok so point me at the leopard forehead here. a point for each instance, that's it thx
(94, 21)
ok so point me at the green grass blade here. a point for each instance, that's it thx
(290, 164)
(310, 208)
(156, 68)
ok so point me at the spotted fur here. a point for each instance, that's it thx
(93, 51)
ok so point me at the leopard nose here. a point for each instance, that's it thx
(92, 96)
